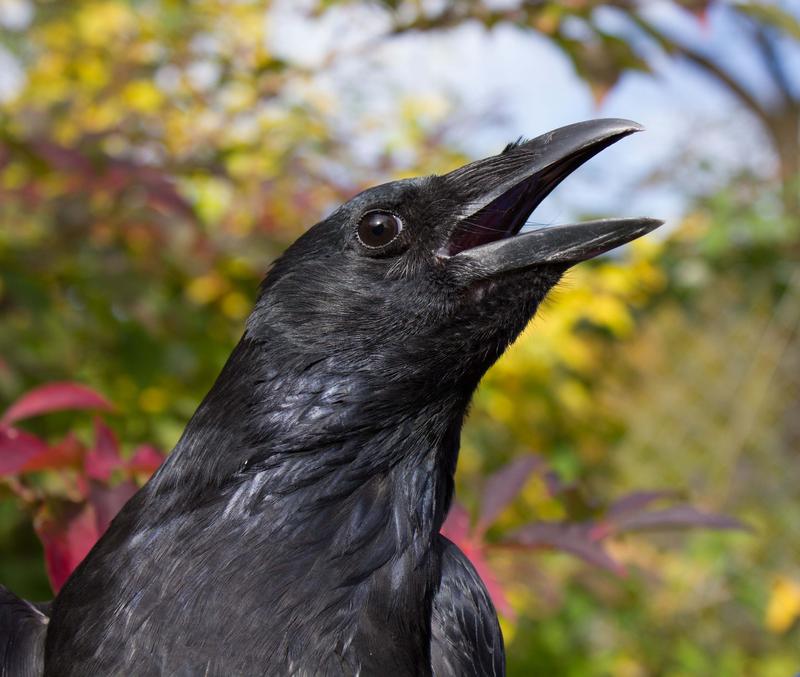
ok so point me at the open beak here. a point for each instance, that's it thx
(502, 191)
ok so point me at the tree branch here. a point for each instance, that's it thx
(774, 65)
(710, 67)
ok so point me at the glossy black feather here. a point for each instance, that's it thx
(22, 633)
(466, 637)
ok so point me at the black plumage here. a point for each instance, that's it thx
(294, 529)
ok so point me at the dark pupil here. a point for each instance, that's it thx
(378, 229)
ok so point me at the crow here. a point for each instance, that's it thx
(294, 529)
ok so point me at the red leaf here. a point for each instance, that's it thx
(103, 459)
(476, 553)
(108, 501)
(67, 453)
(675, 517)
(457, 525)
(573, 538)
(637, 501)
(17, 448)
(553, 483)
(456, 529)
(503, 487)
(54, 397)
(146, 460)
(67, 538)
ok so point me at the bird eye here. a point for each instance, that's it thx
(377, 229)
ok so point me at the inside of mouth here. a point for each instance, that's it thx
(502, 217)
(506, 215)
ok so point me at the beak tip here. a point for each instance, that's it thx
(623, 127)
(649, 224)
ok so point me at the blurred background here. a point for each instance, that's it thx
(157, 155)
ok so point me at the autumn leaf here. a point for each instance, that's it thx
(18, 448)
(637, 500)
(457, 529)
(54, 397)
(67, 453)
(107, 501)
(574, 538)
(103, 458)
(503, 487)
(682, 516)
(145, 460)
(68, 531)
(783, 608)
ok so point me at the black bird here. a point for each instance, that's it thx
(294, 529)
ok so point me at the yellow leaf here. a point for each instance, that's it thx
(235, 305)
(153, 400)
(92, 72)
(783, 608)
(14, 176)
(500, 407)
(610, 312)
(100, 22)
(572, 394)
(206, 288)
(142, 95)
(101, 117)
(627, 666)
(508, 628)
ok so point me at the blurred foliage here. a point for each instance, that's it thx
(70, 490)
(701, 395)
(157, 157)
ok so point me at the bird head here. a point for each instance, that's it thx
(424, 282)
(374, 328)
